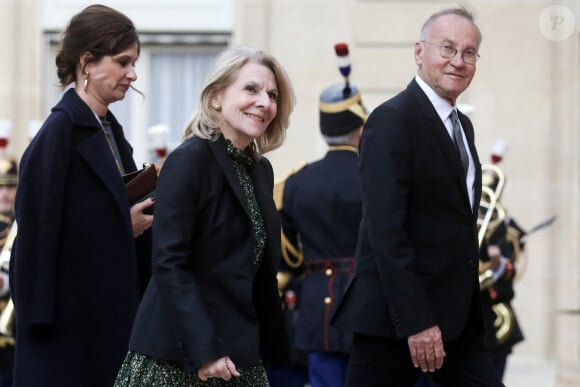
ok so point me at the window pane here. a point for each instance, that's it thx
(176, 80)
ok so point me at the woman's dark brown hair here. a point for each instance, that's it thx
(98, 30)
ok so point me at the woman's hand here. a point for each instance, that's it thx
(140, 221)
(223, 368)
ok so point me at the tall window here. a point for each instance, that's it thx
(175, 86)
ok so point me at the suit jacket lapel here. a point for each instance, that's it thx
(437, 130)
(124, 147)
(469, 133)
(263, 192)
(441, 136)
(93, 148)
(265, 198)
(218, 148)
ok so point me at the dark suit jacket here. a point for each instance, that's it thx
(417, 254)
(206, 299)
(76, 270)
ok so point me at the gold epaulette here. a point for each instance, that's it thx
(279, 185)
(292, 254)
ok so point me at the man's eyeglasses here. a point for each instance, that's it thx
(469, 56)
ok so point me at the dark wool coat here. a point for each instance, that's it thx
(77, 273)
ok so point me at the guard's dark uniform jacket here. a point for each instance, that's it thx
(501, 324)
(320, 214)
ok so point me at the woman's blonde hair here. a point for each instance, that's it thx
(206, 120)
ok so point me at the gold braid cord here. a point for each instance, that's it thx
(291, 253)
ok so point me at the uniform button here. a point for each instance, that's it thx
(327, 300)
(328, 272)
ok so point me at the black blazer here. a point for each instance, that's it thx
(417, 254)
(206, 299)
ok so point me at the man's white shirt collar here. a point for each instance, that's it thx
(442, 107)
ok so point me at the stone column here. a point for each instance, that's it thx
(565, 192)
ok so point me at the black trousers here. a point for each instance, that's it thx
(383, 362)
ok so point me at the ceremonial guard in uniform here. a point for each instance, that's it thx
(320, 210)
(502, 241)
(502, 327)
(8, 183)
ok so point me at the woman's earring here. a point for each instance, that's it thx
(217, 106)
(86, 82)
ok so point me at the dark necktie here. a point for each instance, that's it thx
(458, 139)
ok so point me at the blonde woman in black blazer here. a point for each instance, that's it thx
(212, 312)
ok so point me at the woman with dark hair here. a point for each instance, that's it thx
(211, 312)
(81, 259)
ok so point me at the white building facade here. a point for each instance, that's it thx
(526, 90)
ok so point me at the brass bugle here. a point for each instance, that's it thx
(491, 213)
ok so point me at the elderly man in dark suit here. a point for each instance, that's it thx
(414, 303)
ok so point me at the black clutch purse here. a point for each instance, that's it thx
(141, 185)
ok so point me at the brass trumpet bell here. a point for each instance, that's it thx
(491, 213)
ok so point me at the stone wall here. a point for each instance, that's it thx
(526, 90)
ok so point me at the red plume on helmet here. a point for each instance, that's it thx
(341, 50)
